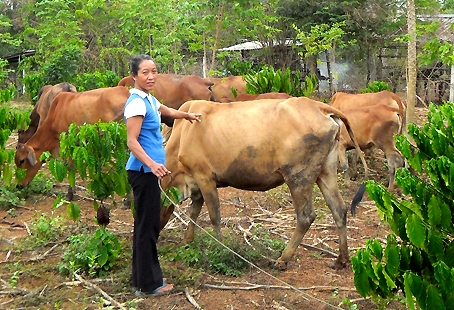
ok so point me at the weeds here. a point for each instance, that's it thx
(208, 254)
(94, 254)
(45, 229)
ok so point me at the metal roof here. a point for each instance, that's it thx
(16, 57)
(445, 29)
(255, 45)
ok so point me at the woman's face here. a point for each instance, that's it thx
(146, 76)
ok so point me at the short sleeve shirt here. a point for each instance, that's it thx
(140, 103)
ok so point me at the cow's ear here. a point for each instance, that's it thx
(31, 158)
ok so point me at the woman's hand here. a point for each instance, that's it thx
(193, 117)
(159, 170)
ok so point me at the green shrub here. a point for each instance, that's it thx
(8, 93)
(45, 229)
(268, 80)
(418, 257)
(233, 66)
(208, 254)
(93, 254)
(33, 83)
(94, 80)
(375, 87)
(9, 120)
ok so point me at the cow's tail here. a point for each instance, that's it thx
(362, 188)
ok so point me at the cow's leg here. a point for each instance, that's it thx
(343, 163)
(210, 196)
(305, 215)
(166, 213)
(327, 182)
(354, 165)
(195, 208)
(395, 160)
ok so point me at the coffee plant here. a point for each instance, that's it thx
(9, 120)
(418, 258)
(98, 153)
(93, 254)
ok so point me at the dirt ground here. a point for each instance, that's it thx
(307, 283)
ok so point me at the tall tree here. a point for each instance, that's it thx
(411, 66)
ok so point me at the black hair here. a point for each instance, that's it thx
(136, 61)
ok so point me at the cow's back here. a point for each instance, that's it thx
(39, 113)
(44, 102)
(259, 139)
(173, 89)
(270, 95)
(105, 104)
(344, 101)
(372, 123)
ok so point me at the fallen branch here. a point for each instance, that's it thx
(311, 247)
(76, 283)
(28, 229)
(99, 290)
(191, 299)
(252, 286)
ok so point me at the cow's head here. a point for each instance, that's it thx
(25, 158)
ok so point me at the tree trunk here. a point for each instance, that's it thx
(411, 67)
(217, 35)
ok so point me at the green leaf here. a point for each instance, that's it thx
(102, 255)
(415, 230)
(434, 211)
(449, 255)
(361, 281)
(392, 260)
(435, 243)
(376, 248)
(389, 281)
(73, 211)
(72, 178)
(434, 299)
(446, 217)
(408, 292)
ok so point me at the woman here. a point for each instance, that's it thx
(146, 166)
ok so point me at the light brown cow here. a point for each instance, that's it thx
(249, 97)
(46, 94)
(173, 90)
(373, 126)
(259, 146)
(105, 104)
(225, 87)
(344, 101)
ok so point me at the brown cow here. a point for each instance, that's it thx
(373, 126)
(173, 90)
(249, 97)
(225, 87)
(344, 101)
(259, 146)
(105, 104)
(46, 94)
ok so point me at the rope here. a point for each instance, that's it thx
(244, 259)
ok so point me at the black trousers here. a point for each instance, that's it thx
(146, 270)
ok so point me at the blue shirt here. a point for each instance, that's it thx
(150, 137)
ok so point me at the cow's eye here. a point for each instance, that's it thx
(21, 162)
